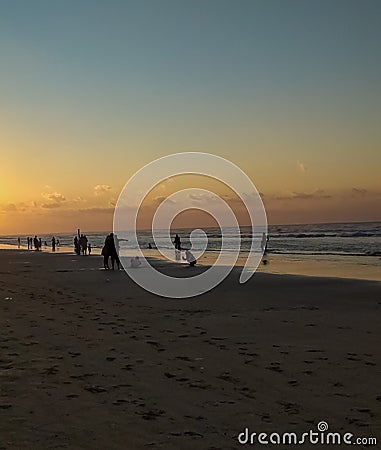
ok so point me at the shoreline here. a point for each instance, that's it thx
(320, 267)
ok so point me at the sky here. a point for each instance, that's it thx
(91, 91)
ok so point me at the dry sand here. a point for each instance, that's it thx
(91, 361)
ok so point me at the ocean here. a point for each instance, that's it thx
(336, 239)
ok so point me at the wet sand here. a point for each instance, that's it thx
(89, 360)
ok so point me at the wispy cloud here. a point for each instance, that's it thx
(55, 200)
(54, 197)
(100, 189)
(317, 194)
(302, 167)
(9, 207)
(359, 191)
(50, 205)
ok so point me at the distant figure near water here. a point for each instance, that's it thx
(177, 242)
(264, 241)
(19, 242)
(83, 241)
(53, 244)
(77, 247)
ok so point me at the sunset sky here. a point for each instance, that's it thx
(90, 91)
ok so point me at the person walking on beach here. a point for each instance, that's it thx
(89, 248)
(35, 242)
(40, 244)
(19, 242)
(28, 242)
(53, 244)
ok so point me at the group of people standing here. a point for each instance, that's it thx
(189, 257)
(36, 243)
(82, 245)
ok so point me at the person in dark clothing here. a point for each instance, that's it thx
(109, 251)
(53, 244)
(177, 242)
(106, 256)
(77, 247)
(114, 252)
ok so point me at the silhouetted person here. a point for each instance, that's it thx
(114, 251)
(28, 242)
(40, 244)
(106, 255)
(150, 246)
(89, 248)
(109, 251)
(19, 242)
(177, 242)
(77, 248)
(83, 244)
(53, 244)
(35, 242)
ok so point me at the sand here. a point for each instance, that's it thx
(88, 360)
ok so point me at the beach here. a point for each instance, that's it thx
(90, 360)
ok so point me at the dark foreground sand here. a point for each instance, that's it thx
(88, 360)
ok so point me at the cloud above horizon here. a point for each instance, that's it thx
(302, 167)
(100, 189)
(55, 200)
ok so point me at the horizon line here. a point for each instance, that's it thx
(201, 227)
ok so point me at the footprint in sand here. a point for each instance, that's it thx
(274, 367)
